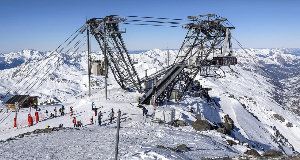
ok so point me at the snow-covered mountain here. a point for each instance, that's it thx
(260, 94)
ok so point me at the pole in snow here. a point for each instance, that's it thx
(117, 136)
(105, 60)
(88, 49)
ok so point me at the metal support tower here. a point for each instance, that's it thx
(204, 35)
(118, 58)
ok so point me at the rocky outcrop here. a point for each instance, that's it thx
(177, 123)
(37, 131)
(198, 116)
(252, 152)
(231, 142)
(279, 117)
(179, 148)
(183, 147)
(201, 125)
(221, 130)
(227, 126)
(289, 124)
(168, 148)
(272, 153)
(246, 157)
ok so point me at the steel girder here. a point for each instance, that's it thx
(119, 60)
(204, 36)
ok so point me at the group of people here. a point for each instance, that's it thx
(61, 111)
(100, 115)
(78, 123)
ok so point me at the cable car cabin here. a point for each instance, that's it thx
(224, 61)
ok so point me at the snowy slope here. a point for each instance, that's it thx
(245, 93)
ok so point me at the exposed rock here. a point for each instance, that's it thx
(231, 142)
(272, 153)
(169, 148)
(182, 123)
(183, 147)
(201, 125)
(228, 127)
(221, 130)
(289, 124)
(177, 123)
(46, 130)
(247, 157)
(198, 116)
(279, 117)
(20, 136)
(252, 152)
(228, 124)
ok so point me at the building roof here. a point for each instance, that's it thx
(17, 98)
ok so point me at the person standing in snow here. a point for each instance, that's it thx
(144, 109)
(111, 115)
(46, 113)
(99, 118)
(91, 120)
(74, 121)
(55, 111)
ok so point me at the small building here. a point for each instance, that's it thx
(165, 114)
(23, 100)
(98, 68)
(174, 94)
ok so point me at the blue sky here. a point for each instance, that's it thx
(45, 24)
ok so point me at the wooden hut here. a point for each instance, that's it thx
(23, 100)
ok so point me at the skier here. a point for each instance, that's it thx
(79, 124)
(55, 111)
(46, 113)
(74, 121)
(95, 109)
(63, 107)
(91, 120)
(35, 106)
(99, 118)
(59, 111)
(144, 109)
(111, 115)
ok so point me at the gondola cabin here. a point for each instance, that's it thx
(22, 100)
(224, 61)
